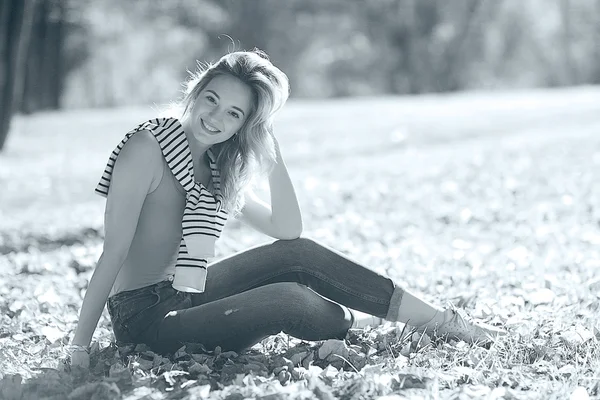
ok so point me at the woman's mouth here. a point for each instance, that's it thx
(210, 128)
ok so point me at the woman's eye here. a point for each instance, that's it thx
(211, 99)
(234, 114)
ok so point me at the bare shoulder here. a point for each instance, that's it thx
(142, 144)
(140, 156)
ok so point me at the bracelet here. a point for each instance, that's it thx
(77, 347)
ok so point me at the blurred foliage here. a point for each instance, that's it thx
(131, 52)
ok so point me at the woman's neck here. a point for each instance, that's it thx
(198, 149)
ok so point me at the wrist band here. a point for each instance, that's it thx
(77, 347)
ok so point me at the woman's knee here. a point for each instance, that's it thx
(299, 244)
(314, 317)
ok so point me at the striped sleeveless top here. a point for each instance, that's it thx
(204, 216)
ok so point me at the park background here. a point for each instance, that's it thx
(474, 125)
(110, 53)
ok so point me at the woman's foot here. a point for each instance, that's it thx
(458, 325)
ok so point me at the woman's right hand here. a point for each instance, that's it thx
(80, 358)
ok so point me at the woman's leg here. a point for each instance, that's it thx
(325, 270)
(239, 321)
(336, 277)
(304, 261)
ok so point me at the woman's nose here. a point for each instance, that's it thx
(215, 112)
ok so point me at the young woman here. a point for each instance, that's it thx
(172, 183)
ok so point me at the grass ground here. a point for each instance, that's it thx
(490, 201)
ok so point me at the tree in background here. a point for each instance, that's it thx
(16, 22)
(596, 39)
(34, 63)
(46, 71)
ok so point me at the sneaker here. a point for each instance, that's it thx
(459, 325)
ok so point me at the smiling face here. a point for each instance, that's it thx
(220, 110)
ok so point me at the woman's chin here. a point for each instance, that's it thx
(205, 138)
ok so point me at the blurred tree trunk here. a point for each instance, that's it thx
(403, 40)
(45, 76)
(595, 79)
(16, 18)
(569, 74)
(249, 22)
(461, 50)
(393, 28)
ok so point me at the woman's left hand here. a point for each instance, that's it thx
(80, 358)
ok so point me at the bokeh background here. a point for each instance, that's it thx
(110, 53)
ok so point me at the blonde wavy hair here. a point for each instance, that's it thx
(252, 151)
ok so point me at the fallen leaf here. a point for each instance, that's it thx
(568, 369)
(297, 358)
(199, 392)
(330, 372)
(52, 333)
(576, 336)
(579, 394)
(48, 295)
(333, 346)
(120, 374)
(170, 376)
(541, 296)
(96, 390)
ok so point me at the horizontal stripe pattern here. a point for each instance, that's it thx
(204, 216)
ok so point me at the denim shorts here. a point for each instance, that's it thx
(137, 314)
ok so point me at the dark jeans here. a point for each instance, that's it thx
(299, 286)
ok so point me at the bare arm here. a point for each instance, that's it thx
(137, 171)
(283, 218)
